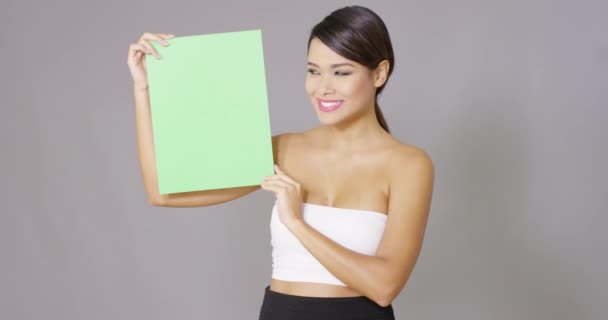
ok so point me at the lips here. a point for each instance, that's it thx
(329, 105)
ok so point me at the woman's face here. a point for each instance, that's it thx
(332, 77)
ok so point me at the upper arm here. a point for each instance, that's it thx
(204, 198)
(410, 194)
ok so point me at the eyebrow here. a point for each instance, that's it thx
(335, 65)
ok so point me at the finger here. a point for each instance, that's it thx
(135, 47)
(284, 180)
(272, 188)
(156, 37)
(279, 170)
(150, 49)
(287, 178)
(166, 35)
(135, 52)
(279, 183)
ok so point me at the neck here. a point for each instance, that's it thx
(361, 132)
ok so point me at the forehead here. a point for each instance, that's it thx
(323, 56)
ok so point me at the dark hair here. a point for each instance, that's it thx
(358, 34)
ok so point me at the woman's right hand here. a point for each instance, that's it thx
(136, 59)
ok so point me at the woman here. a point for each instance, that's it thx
(352, 201)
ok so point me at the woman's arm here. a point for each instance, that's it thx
(147, 161)
(145, 144)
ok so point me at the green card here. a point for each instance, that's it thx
(209, 108)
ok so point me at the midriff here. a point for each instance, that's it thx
(310, 289)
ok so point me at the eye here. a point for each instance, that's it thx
(311, 71)
(342, 73)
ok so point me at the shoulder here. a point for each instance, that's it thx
(402, 152)
(410, 162)
(282, 142)
(294, 140)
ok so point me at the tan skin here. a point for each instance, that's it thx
(347, 162)
(356, 180)
(342, 163)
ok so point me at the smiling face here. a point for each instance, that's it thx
(331, 77)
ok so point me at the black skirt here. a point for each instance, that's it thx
(280, 306)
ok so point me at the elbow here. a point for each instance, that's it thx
(386, 295)
(385, 300)
(380, 297)
(156, 201)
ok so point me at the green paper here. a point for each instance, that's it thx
(209, 108)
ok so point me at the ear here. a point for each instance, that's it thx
(380, 74)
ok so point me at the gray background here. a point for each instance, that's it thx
(508, 98)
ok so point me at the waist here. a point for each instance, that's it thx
(311, 289)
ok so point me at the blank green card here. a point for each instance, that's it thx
(209, 110)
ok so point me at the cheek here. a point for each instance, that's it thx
(308, 86)
(354, 88)
(349, 87)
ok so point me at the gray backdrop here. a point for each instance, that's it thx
(508, 97)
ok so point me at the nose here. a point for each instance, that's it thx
(325, 85)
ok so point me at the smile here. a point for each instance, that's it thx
(329, 105)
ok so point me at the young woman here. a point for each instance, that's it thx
(352, 201)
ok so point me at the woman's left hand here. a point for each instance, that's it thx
(288, 193)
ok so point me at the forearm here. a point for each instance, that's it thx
(361, 272)
(145, 144)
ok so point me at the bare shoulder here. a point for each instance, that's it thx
(403, 151)
(281, 143)
(408, 159)
(282, 140)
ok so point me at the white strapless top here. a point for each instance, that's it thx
(355, 229)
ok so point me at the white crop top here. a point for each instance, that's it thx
(355, 229)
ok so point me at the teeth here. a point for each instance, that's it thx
(330, 104)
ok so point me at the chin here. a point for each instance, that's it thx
(328, 120)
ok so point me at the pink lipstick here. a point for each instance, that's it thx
(329, 105)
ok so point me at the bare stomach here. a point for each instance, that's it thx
(310, 289)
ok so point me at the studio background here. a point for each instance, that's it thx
(508, 97)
